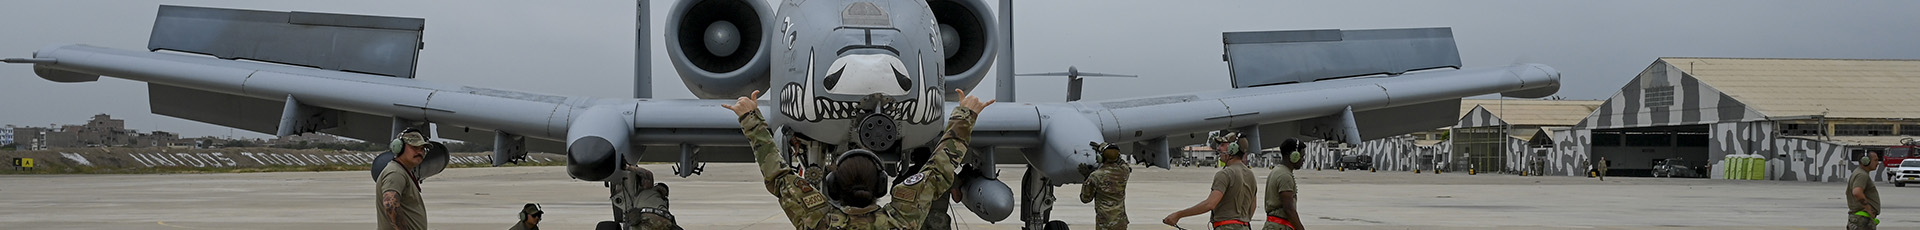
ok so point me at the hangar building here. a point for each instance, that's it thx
(1807, 117)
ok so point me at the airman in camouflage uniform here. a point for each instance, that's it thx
(1108, 185)
(809, 208)
(648, 210)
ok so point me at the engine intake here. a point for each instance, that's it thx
(967, 34)
(719, 47)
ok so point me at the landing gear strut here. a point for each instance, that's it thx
(1036, 202)
(619, 195)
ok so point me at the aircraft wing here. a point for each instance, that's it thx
(1054, 136)
(282, 99)
(289, 73)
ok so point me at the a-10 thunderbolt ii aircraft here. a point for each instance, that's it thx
(841, 74)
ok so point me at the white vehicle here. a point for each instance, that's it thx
(1908, 172)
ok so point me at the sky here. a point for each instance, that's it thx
(585, 48)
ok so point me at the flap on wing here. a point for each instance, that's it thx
(258, 115)
(251, 114)
(1382, 123)
(1279, 57)
(354, 43)
(474, 135)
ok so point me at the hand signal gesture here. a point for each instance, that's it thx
(971, 102)
(744, 105)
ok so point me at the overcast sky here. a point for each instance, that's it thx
(584, 48)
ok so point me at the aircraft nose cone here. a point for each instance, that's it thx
(867, 74)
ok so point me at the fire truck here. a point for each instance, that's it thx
(1895, 154)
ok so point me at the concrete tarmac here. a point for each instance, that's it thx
(730, 196)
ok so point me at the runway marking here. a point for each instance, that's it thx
(164, 223)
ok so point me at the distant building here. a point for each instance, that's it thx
(30, 138)
(99, 131)
(1808, 118)
(308, 138)
(6, 135)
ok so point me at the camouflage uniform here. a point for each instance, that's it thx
(808, 207)
(649, 211)
(1108, 185)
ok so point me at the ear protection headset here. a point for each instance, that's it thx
(1108, 152)
(397, 144)
(529, 210)
(1293, 147)
(832, 181)
(1231, 139)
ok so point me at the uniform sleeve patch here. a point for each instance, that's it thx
(915, 179)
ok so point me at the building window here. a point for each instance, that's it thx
(1791, 129)
(1693, 140)
(1606, 139)
(1862, 130)
(1910, 130)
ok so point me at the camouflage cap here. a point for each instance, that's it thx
(531, 209)
(1108, 152)
(413, 139)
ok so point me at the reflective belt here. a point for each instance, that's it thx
(1217, 224)
(1876, 221)
(1278, 220)
(656, 211)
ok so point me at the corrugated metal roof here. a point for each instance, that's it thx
(1856, 140)
(1840, 88)
(1535, 112)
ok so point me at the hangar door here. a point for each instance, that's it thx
(1633, 151)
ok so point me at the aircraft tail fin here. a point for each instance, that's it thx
(1261, 58)
(353, 43)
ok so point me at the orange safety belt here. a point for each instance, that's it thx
(1228, 222)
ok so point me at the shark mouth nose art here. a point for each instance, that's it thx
(862, 75)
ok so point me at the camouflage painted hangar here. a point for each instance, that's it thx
(1807, 118)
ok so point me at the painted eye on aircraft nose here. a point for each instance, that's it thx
(905, 83)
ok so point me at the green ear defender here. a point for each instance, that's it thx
(395, 146)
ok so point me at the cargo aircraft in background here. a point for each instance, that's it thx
(840, 74)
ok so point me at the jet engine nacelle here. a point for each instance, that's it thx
(594, 140)
(720, 47)
(967, 35)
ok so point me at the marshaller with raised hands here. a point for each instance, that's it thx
(848, 197)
